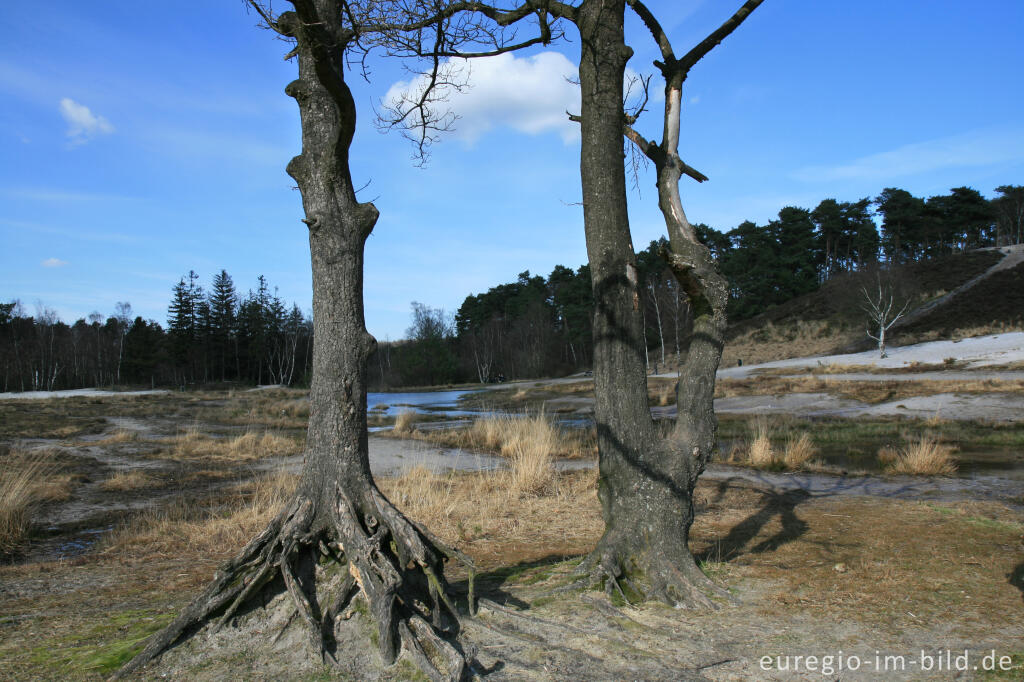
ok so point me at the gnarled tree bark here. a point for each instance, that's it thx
(646, 481)
(339, 539)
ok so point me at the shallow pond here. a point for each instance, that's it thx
(427, 402)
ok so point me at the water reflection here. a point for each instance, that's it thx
(391, 404)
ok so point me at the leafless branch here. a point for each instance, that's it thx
(652, 24)
(649, 149)
(689, 170)
(717, 36)
(632, 115)
(671, 65)
(637, 161)
(266, 13)
(437, 34)
(879, 308)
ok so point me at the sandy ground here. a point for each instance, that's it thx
(990, 406)
(972, 353)
(73, 393)
(979, 351)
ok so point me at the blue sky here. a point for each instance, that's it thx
(140, 140)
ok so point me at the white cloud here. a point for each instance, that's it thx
(83, 125)
(976, 148)
(528, 94)
(54, 263)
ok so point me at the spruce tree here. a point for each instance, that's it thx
(223, 306)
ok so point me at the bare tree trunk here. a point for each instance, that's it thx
(646, 482)
(338, 518)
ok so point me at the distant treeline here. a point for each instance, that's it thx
(794, 254)
(214, 336)
(532, 327)
(539, 326)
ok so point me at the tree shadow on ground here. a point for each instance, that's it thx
(1016, 578)
(491, 584)
(781, 504)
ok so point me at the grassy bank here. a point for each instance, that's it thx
(778, 553)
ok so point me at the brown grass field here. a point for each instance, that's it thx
(196, 475)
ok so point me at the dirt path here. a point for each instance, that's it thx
(921, 488)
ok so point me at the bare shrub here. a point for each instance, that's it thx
(925, 457)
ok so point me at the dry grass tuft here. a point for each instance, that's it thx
(249, 446)
(761, 454)
(515, 435)
(405, 423)
(529, 449)
(925, 457)
(190, 442)
(252, 445)
(870, 392)
(530, 442)
(27, 479)
(887, 454)
(124, 481)
(799, 452)
(478, 511)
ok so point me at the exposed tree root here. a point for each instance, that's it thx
(631, 575)
(372, 551)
